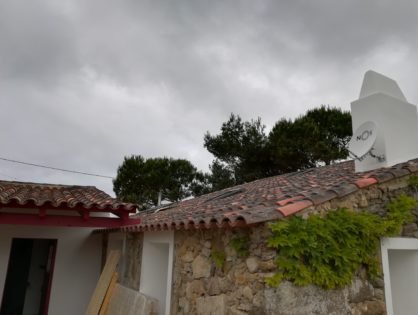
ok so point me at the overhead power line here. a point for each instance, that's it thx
(55, 168)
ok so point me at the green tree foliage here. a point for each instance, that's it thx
(243, 152)
(201, 184)
(288, 147)
(221, 175)
(329, 131)
(240, 151)
(319, 136)
(141, 180)
(327, 251)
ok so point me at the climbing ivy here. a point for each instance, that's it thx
(327, 251)
(413, 181)
(218, 257)
(240, 245)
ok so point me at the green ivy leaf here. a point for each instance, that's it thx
(327, 251)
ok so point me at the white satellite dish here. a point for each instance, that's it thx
(363, 139)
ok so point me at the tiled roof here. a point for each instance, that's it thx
(18, 194)
(268, 199)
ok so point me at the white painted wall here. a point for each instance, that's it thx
(77, 264)
(400, 269)
(157, 268)
(382, 102)
(403, 266)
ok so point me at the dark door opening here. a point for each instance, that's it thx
(29, 277)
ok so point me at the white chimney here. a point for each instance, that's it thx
(385, 125)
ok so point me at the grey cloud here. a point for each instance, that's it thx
(84, 83)
(37, 43)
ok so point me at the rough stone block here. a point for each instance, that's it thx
(268, 265)
(289, 299)
(194, 288)
(187, 257)
(211, 305)
(409, 229)
(125, 301)
(214, 287)
(359, 291)
(247, 293)
(235, 311)
(369, 308)
(252, 264)
(201, 267)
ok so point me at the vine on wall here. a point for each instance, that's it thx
(218, 257)
(241, 245)
(413, 181)
(327, 251)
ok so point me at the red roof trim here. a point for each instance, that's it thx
(59, 196)
(63, 221)
(70, 205)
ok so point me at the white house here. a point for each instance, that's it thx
(49, 259)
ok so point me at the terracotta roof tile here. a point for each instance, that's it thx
(364, 182)
(292, 208)
(58, 196)
(399, 171)
(289, 200)
(322, 196)
(344, 189)
(411, 166)
(268, 199)
(384, 176)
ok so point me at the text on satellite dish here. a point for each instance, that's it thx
(363, 139)
(365, 135)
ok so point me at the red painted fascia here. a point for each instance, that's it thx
(64, 207)
(67, 221)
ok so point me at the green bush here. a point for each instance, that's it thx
(327, 251)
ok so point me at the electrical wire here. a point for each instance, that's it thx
(54, 168)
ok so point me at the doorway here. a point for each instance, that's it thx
(29, 277)
(400, 271)
(157, 268)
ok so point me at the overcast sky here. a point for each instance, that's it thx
(85, 83)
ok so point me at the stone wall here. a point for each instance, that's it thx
(204, 286)
(237, 287)
(234, 287)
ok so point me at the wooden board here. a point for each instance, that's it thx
(108, 295)
(99, 293)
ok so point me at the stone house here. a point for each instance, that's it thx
(173, 247)
(174, 254)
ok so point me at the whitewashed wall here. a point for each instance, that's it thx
(77, 264)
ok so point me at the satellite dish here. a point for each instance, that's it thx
(363, 140)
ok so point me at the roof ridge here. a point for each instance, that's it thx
(45, 184)
(270, 198)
